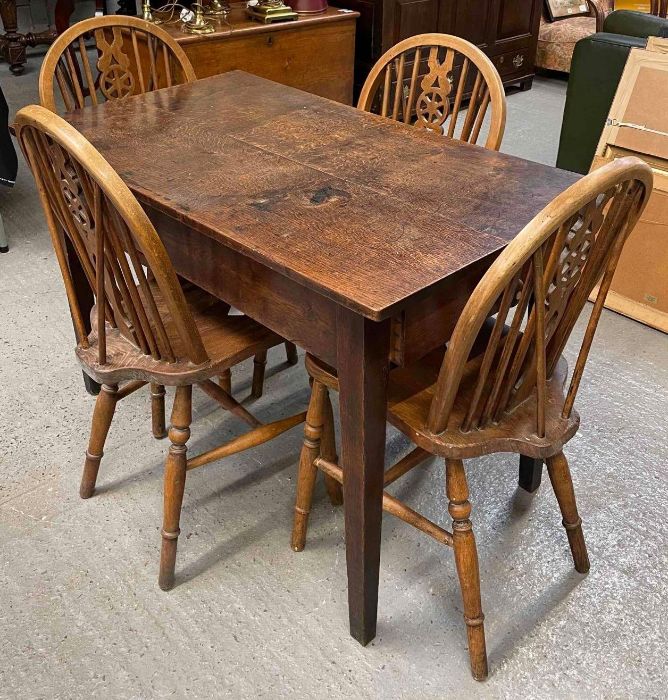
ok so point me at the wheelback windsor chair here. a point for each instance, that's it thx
(427, 80)
(146, 325)
(131, 57)
(499, 385)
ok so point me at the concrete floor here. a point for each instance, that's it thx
(81, 614)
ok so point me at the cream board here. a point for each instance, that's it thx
(637, 125)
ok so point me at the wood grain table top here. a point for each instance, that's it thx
(366, 211)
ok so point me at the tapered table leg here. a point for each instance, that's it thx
(531, 472)
(362, 362)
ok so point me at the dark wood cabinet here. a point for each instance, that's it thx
(506, 30)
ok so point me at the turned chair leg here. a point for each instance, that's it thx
(175, 481)
(466, 560)
(158, 411)
(560, 476)
(307, 470)
(291, 353)
(225, 381)
(328, 452)
(259, 365)
(103, 413)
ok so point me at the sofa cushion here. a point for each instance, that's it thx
(556, 41)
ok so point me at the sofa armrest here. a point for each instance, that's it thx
(598, 64)
(631, 23)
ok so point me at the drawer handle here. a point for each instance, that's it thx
(270, 40)
(518, 60)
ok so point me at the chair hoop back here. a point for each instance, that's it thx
(539, 285)
(427, 79)
(91, 210)
(128, 56)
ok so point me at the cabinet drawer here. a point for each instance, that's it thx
(513, 63)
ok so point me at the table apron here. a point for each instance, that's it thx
(300, 315)
(429, 323)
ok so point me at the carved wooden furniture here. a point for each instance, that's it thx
(313, 53)
(506, 31)
(130, 56)
(146, 327)
(13, 43)
(327, 225)
(133, 57)
(399, 89)
(506, 395)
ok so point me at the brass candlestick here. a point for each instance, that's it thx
(216, 8)
(198, 25)
(146, 12)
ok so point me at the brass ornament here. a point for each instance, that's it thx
(147, 13)
(216, 8)
(198, 24)
(268, 11)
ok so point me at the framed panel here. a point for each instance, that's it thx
(563, 9)
(414, 17)
(516, 19)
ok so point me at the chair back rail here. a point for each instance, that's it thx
(122, 257)
(125, 56)
(659, 8)
(540, 284)
(427, 80)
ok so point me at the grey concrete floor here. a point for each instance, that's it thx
(81, 614)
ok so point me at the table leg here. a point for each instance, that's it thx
(12, 44)
(362, 362)
(63, 13)
(531, 472)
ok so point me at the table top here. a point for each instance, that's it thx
(364, 210)
(238, 23)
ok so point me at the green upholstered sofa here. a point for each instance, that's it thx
(597, 66)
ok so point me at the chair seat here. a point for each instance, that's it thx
(556, 41)
(228, 339)
(411, 390)
(567, 31)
